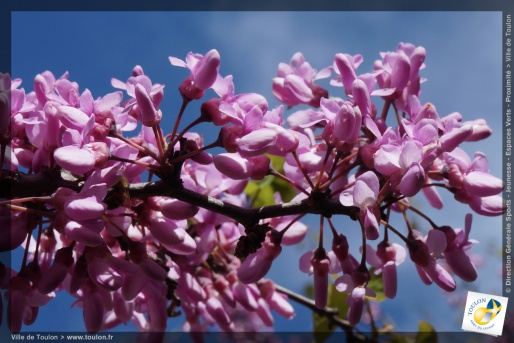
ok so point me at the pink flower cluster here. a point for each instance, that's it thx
(146, 258)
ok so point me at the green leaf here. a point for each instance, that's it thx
(426, 334)
(376, 284)
(262, 192)
(322, 328)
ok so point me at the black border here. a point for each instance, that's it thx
(9, 6)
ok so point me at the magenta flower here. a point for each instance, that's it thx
(320, 264)
(204, 72)
(385, 260)
(258, 264)
(458, 243)
(364, 194)
(425, 252)
(472, 183)
(355, 285)
(294, 83)
(77, 153)
(403, 163)
(150, 116)
(171, 236)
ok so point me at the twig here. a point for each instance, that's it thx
(331, 313)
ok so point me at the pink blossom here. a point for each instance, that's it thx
(364, 195)
(355, 285)
(385, 260)
(204, 71)
(458, 243)
(294, 83)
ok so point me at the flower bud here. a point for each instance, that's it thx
(210, 112)
(401, 72)
(320, 264)
(52, 278)
(206, 70)
(244, 296)
(223, 287)
(346, 70)
(218, 313)
(176, 209)
(93, 312)
(137, 71)
(103, 275)
(157, 314)
(356, 305)
(264, 312)
(189, 91)
(418, 252)
(233, 165)
(146, 106)
(340, 247)
(318, 93)
(461, 264)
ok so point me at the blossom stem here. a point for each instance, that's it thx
(421, 214)
(342, 189)
(398, 119)
(285, 178)
(134, 145)
(38, 241)
(323, 166)
(332, 227)
(109, 221)
(199, 120)
(26, 252)
(384, 191)
(174, 139)
(342, 173)
(386, 234)
(220, 258)
(395, 231)
(385, 109)
(297, 218)
(363, 257)
(27, 199)
(304, 172)
(29, 210)
(334, 166)
(195, 152)
(407, 222)
(158, 139)
(139, 163)
(371, 319)
(442, 185)
(321, 221)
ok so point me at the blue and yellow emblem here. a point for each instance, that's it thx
(484, 315)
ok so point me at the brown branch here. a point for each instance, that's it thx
(248, 217)
(16, 184)
(331, 313)
(20, 185)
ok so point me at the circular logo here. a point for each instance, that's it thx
(484, 315)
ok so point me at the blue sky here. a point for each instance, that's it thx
(463, 74)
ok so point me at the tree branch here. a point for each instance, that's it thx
(16, 184)
(331, 313)
(248, 217)
(20, 185)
